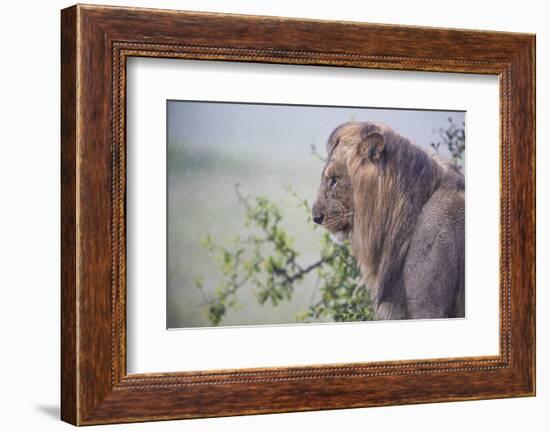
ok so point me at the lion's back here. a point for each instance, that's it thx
(433, 273)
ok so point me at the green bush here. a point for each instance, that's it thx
(267, 260)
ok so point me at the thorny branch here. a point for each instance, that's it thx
(267, 260)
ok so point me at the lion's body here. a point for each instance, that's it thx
(403, 212)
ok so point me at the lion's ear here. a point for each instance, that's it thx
(372, 147)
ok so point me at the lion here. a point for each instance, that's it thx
(402, 211)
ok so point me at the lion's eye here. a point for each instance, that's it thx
(332, 181)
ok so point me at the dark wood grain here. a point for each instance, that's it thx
(96, 41)
(68, 218)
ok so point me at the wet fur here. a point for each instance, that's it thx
(403, 212)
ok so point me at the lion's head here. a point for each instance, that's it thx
(350, 146)
(334, 206)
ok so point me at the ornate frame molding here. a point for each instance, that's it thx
(96, 41)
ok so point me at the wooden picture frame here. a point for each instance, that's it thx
(95, 43)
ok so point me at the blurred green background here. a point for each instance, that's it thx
(264, 148)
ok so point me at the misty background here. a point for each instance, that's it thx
(265, 148)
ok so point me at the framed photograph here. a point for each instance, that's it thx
(264, 214)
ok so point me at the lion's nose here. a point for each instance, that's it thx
(317, 212)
